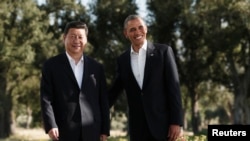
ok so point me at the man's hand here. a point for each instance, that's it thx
(103, 137)
(174, 132)
(54, 134)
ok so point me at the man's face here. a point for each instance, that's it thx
(75, 41)
(136, 32)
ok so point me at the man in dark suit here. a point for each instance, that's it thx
(74, 100)
(148, 74)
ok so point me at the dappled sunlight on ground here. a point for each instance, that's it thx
(38, 134)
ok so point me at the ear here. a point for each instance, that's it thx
(125, 33)
(63, 37)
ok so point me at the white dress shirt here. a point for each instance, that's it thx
(138, 61)
(77, 69)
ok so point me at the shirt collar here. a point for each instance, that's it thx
(71, 59)
(144, 47)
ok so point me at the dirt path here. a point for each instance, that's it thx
(38, 134)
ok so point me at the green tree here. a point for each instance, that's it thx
(194, 57)
(217, 32)
(216, 48)
(164, 22)
(230, 37)
(214, 37)
(58, 13)
(20, 30)
(107, 37)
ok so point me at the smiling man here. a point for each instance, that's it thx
(148, 73)
(74, 101)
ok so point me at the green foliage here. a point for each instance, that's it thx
(229, 38)
(163, 22)
(22, 32)
(211, 40)
(196, 138)
(109, 25)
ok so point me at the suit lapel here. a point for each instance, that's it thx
(147, 70)
(85, 72)
(67, 67)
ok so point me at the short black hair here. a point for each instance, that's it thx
(75, 24)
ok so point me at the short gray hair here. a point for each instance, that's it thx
(131, 17)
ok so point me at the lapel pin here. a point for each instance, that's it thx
(93, 78)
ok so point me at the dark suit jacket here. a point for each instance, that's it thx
(159, 100)
(67, 107)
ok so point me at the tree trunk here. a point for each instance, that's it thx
(242, 98)
(195, 111)
(241, 112)
(241, 83)
(185, 124)
(13, 122)
(238, 109)
(5, 106)
(29, 117)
